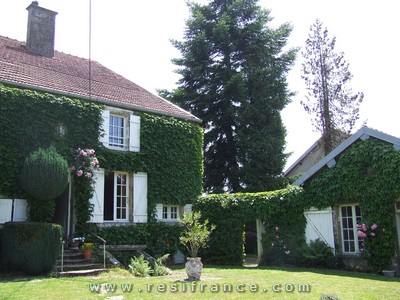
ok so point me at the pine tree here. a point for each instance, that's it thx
(233, 76)
(330, 100)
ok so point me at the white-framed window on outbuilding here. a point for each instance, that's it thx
(121, 130)
(171, 213)
(350, 216)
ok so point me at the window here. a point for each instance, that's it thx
(119, 197)
(121, 130)
(350, 216)
(117, 134)
(170, 212)
(116, 197)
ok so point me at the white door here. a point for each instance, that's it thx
(320, 226)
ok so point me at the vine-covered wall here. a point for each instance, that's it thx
(171, 149)
(281, 209)
(368, 174)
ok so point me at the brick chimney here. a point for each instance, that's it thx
(41, 29)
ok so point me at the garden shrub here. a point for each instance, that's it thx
(140, 267)
(31, 247)
(317, 254)
(44, 176)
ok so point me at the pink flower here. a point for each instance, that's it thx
(90, 151)
(373, 227)
(361, 234)
(364, 227)
(287, 252)
(88, 175)
(373, 234)
(79, 173)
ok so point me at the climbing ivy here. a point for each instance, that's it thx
(171, 149)
(229, 212)
(367, 173)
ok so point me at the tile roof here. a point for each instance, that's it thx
(69, 75)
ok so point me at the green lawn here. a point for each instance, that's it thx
(217, 283)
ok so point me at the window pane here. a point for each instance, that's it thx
(116, 131)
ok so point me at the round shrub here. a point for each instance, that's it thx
(30, 247)
(44, 174)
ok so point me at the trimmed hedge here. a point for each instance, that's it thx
(30, 247)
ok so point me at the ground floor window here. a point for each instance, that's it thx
(170, 212)
(350, 216)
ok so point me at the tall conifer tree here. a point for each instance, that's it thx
(330, 100)
(233, 76)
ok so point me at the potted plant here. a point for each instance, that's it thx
(194, 236)
(87, 250)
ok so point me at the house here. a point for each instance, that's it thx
(124, 193)
(356, 183)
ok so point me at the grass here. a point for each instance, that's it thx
(246, 283)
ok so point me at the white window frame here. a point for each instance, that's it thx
(352, 237)
(125, 132)
(130, 132)
(171, 213)
(122, 197)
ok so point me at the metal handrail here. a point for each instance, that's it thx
(104, 250)
(62, 255)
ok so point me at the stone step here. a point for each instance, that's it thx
(77, 267)
(87, 272)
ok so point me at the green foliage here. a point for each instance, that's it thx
(196, 233)
(158, 265)
(31, 247)
(317, 254)
(44, 174)
(171, 149)
(233, 70)
(230, 212)
(159, 237)
(368, 174)
(140, 267)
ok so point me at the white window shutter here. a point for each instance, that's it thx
(5, 210)
(187, 208)
(140, 198)
(159, 209)
(20, 210)
(105, 114)
(98, 197)
(134, 133)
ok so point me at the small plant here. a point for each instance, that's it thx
(140, 267)
(317, 254)
(196, 234)
(159, 266)
(87, 246)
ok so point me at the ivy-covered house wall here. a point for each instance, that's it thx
(366, 174)
(171, 149)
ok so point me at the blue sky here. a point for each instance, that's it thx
(133, 39)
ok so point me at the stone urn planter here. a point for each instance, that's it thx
(193, 267)
(194, 236)
(87, 254)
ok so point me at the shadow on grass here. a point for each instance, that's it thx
(328, 272)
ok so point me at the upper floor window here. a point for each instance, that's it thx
(350, 216)
(121, 130)
(117, 130)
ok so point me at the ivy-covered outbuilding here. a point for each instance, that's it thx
(353, 200)
(149, 151)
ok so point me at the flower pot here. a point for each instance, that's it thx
(193, 267)
(388, 273)
(87, 254)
